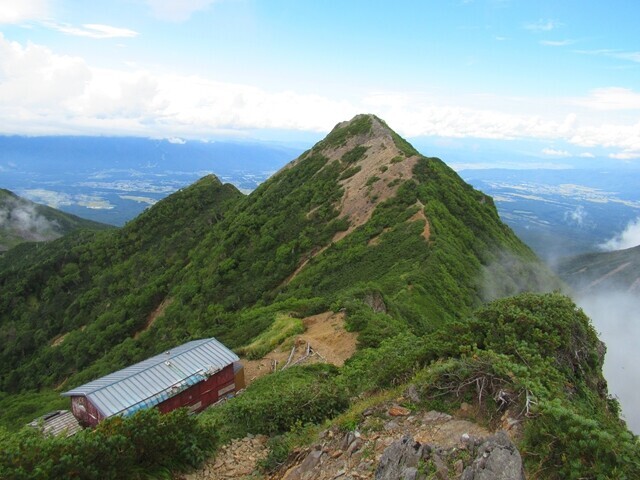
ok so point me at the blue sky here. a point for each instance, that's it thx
(563, 76)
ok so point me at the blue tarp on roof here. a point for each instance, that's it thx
(152, 381)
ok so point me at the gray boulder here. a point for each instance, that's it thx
(497, 459)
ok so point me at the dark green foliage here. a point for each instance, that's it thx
(571, 442)
(350, 172)
(133, 448)
(393, 363)
(371, 180)
(275, 403)
(360, 125)
(374, 327)
(19, 409)
(541, 347)
(536, 348)
(355, 154)
(98, 287)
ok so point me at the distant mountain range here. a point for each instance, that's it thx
(24, 221)
(113, 179)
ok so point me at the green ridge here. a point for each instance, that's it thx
(218, 263)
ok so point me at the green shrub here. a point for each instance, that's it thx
(274, 403)
(371, 180)
(350, 172)
(136, 447)
(392, 363)
(562, 443)
(355, 154)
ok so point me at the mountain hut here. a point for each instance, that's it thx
(193, 375)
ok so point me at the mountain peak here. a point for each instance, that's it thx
(373, 161)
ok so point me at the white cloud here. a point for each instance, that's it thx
(587, 155)
(177, 10)
(43, 92)
(625, 155)
(93, 30)
(611, 98)
(542, 25)
(176, 140)
(556, 153)
(631, 56)
(620, 55)
(628, 238)
(556, 43)
(576, 217)
(35, 79)
(17, 11)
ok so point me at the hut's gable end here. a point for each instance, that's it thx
(85, 411)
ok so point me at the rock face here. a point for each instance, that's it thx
(400, 460)
(496, 458)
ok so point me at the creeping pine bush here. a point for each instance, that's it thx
(564, 443)
(136, 447)
(392, 363)
(274, 403)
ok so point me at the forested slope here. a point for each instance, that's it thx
(361, 223)
(362, 213)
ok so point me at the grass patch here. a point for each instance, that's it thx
(350, 419)
(283, 328)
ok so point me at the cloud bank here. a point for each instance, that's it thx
(43, 92)
(17, 11)
(616, 316)
(628, 238)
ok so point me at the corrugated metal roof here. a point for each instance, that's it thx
(152, 381)
(57, 423)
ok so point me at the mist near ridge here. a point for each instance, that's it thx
(616, 318)
(23, 219)
(628, 238)
(615, 315)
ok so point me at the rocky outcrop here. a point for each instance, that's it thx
(497, 458)
(494, 458)
(391, 443)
